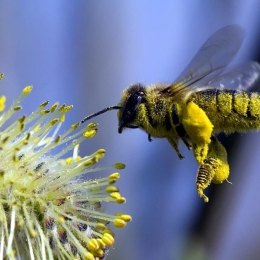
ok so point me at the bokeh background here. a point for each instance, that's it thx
(85, 53)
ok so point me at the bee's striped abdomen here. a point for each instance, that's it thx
(254, 105)
(234, 101)
(225, 100)
(229, 101)
(230, 110)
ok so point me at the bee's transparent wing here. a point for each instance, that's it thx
(240, 77)
(214, 55)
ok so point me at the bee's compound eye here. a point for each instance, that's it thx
(134, 100)
(130, 107)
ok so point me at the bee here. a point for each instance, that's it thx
(205, 100)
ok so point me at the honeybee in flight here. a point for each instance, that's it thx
(202, 102)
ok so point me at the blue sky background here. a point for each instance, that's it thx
(85, 53)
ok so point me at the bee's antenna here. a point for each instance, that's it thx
(99, 112)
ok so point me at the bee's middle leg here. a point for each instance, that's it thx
(175, 147)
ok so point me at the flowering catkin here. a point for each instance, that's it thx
(47, 209)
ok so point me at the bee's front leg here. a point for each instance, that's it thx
(214, 169)
(175, 147)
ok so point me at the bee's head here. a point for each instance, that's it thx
(132, 97)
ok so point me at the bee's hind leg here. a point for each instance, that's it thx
(175, 147)
(150, 138)
(214, 169)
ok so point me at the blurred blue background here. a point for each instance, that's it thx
(85, 53)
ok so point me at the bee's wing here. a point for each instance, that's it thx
(240, 77)
(214, 55)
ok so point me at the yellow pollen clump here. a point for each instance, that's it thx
(2, 103)
(75, 126)
(102, 245)
(119, 223)
(54, 107)
(93, 244)
(33, 233)
(119, 166)
(126, 218)
(108, 239)
(88, 256)
(44, 112)
(110, 189)
(90, 133)
(27, 90)
(54, 121)
(100, 153)
(92, 125)
(114, 175)
(17, 108)
(44, 104)
(121, 200)
(57, 139)
(90, 162)
(66, 109)
(115, 195)
(62, 119)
